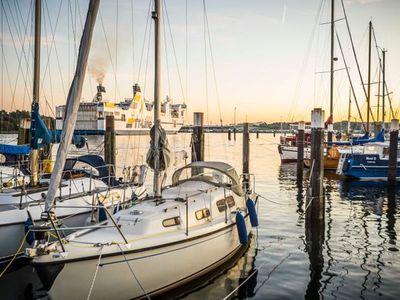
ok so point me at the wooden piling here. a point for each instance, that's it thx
(257, 134)
(197, 140)
(246, 157)
(110, 144)
(317, 209)
(300, 150)
(394, 135)
(234, 133)
(229, 134)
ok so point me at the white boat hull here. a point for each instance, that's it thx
(157, 270)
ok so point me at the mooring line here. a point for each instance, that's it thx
(95, 273)
(133, 273)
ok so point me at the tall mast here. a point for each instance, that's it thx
(36, 66)
(369, 75)
(332, 71)
(383, 86)
(156, 15)
(34, 164)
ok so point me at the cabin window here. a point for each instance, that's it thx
(202, 213)
(230, 201)
(221, 204)
(171, 222)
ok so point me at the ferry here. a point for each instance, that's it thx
(132, 116)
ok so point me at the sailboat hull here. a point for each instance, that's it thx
(152, 271)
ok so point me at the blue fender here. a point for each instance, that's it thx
(241, 228)
(252, 212)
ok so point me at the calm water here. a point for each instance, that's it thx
(358, 256)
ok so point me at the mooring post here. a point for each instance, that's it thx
(110, 144)
(23, 131)
(197, 140)
(229, 134)
(394, 135)
(317, 166)
(246, 156)
(257, 134)
(234, 133)
(300, 150)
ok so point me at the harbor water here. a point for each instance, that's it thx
(359, 255)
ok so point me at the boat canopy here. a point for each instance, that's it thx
(221, 167)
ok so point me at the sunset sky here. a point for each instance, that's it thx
(269, 55)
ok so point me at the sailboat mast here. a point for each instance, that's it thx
(369, 74)
(383, 86)
(36, 63)
(156, 15)
(332, 66)
(34, 158)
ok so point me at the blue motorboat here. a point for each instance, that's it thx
(369, 163)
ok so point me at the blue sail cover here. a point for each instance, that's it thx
(360, 141)
(15, 149)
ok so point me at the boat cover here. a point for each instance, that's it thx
(15, 149)
(222, 167)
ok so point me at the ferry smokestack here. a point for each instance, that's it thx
(136, 88)
(100, 89)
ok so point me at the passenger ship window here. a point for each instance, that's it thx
(202, 213)
(171, 222)
(123, 117)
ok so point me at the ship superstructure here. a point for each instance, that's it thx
(132, 116)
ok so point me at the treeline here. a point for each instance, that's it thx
(9, 121)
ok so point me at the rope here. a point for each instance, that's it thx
(95, 273)
(15, 255)
(133, 273)
(255, 272)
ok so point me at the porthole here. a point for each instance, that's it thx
(230, 201)
(221, 204)
(171, 222)
(202, 213)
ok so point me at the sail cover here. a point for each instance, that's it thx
(73, 102)
(163, 150)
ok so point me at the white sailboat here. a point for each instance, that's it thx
(83, 181)
(178, 234)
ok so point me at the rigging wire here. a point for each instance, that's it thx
(166, 49)
(186, 50)
(381, 69)
(2, 71)
(116, 51)
(355, 56)
(351, 82)
(133, 43)
(174, 51)
(144, 41)
(213, 65)
(305, 61)
(108, 49)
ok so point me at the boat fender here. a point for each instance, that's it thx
(102, 213)
(241, 228)
(30, 238)
(252, 212)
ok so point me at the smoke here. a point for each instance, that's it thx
(97, 68)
